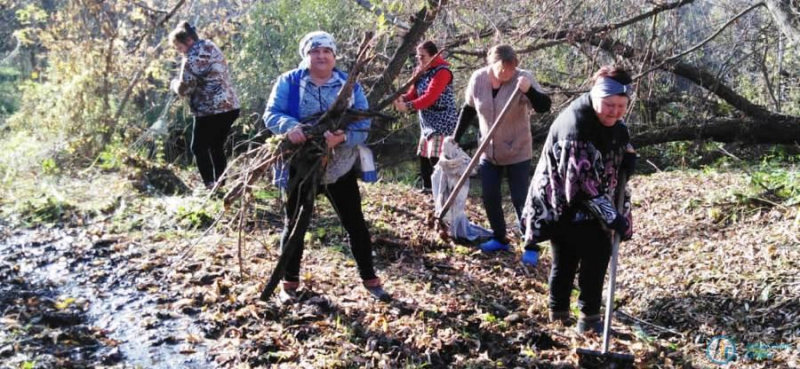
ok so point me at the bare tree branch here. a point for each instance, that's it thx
(701, 43)
(787, 15)
(158, 24)
(417, 75)
(699, 76)
(366, 4)
(553, 38)
(422, 21)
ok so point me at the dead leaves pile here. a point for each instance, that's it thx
(688, 276)
(702, 265)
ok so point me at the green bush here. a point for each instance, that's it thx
(47, 211)
(272, 31)
(778, 180)
(49, 166)
(194, 217)
(112, 156)
(9, 96)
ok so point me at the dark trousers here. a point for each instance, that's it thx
(346, 200)
(491, 178)
(586, 246)
(426, 170)
(208, 141)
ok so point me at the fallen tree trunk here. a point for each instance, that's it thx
(775, 129)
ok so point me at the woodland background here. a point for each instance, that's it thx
(101, 222)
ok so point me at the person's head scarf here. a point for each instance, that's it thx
(312, 41)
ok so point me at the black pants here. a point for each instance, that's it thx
(588, 246)
(426, 170)
(208, 141)
(346, 200)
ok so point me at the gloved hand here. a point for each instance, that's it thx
(620, 225)
(628, 165)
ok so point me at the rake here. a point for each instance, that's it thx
(605, 359)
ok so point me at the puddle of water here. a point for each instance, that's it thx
(61, 261)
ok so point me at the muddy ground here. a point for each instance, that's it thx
(122, 276)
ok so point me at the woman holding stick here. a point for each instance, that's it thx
(570, 201)
(510, 150)
(205, 78)
(300, 93)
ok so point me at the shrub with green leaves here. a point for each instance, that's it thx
(9, 99)
(778, 180)
(272, 31)
(46, 211)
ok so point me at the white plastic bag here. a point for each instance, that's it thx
(369, 173)
(452, 163)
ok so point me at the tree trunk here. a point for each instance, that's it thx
(422, 21)
(773, 129)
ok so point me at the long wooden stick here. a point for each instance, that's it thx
(612, 274)
(477, 156)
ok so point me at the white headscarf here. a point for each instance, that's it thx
(312, 41)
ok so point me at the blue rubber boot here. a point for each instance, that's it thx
(530, 257)
(493, 246)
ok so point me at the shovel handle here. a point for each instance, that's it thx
(612, 276)
(477, 155)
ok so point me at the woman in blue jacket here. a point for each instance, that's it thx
(300, 93)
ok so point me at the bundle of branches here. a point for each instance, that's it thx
(307, 159)
(337, 117)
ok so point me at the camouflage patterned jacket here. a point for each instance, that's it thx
(205, 79)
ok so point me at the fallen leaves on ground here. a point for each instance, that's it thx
(703, 264)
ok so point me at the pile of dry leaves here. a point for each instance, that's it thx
(709, 274)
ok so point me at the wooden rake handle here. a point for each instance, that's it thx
(477, 156)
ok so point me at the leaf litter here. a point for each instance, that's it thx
(703, 264)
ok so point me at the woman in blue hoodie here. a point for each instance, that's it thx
(298, 94)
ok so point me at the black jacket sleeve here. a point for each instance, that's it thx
(541, 102)
(465, 119)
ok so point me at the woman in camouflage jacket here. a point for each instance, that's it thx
(205, 78)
